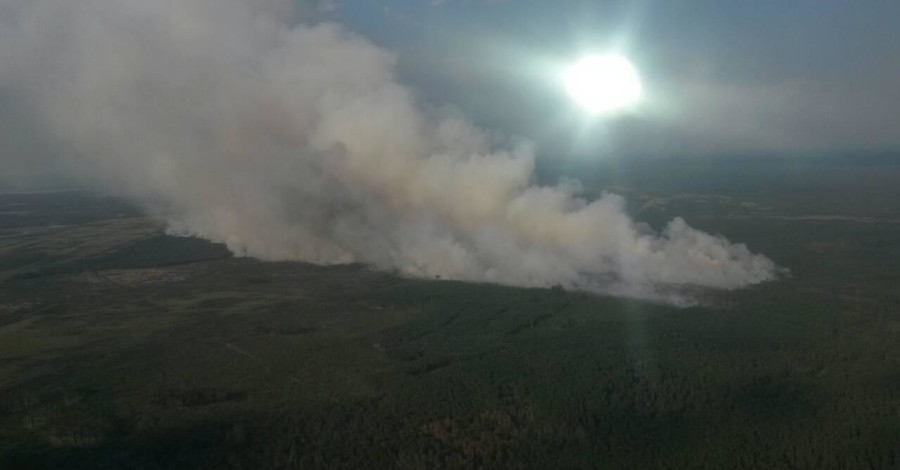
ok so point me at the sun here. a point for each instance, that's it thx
(603, 84)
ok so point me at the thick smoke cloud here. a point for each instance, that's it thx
(295, 142)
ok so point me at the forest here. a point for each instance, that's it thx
(122, 347)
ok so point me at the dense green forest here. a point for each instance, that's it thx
(121, 347)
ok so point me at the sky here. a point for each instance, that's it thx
(722, 77)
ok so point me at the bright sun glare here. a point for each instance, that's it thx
(603, 84)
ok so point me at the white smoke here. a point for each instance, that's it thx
(296, 142)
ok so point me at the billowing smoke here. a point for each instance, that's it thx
(289, 141)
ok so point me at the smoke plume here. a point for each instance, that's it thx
(294, 141)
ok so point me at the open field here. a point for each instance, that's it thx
(121, 347)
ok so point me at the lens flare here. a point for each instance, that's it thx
(603, 84)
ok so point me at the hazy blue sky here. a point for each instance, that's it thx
(723, 76)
